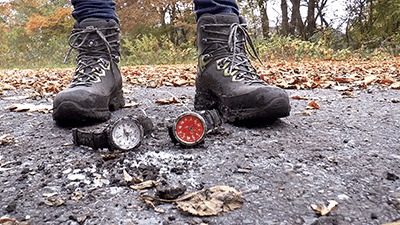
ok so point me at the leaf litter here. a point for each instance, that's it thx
(307, 74)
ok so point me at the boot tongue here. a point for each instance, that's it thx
(228, 18)
(94, 22)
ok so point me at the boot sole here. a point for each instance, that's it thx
(277, 108)
(69, 112)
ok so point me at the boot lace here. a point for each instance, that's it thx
(239, 44)
(93, 47)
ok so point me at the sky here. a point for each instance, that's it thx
(334, 11)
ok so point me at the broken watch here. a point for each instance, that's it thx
(124, 134)
(190, 128)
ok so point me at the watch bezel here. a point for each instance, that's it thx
(111, 140)
(186, 143)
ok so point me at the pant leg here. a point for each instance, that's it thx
(102, 9)
(215, 7)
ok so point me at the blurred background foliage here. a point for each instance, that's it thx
(34, 32)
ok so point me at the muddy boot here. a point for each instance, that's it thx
(226, 80)
(96, 86)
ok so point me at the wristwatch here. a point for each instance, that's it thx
(124, 134)
(190, 128)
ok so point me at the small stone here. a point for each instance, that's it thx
(76, 176)
(343, 197)
(374, 216)
(170, 191)
(392, 176)
(11, 207)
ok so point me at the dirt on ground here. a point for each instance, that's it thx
(348, 151)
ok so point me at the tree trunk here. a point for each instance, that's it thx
(296, 23)
(285, 18)
(310, 27)
(264, 17)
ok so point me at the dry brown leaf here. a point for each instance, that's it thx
(305, 113)
(30, 108)
(6, 139)
(211, 202)
(298, 97)
(313, 105)
(349, 94)
(145, 185)
(325, 210)
(166, 101)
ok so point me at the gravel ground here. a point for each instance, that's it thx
(347, 151)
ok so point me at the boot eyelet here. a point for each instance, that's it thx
(204, 40)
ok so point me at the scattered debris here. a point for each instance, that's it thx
(131, 105)
(305, 113)
(325, 210)
(313, 105)
(211, 202)
(111, 156)
(7, 139)
(298, 97)
(145, 185)
(77, 195)
(166, 101)
(128, 178)
(349, 94)
(395, 100)
(52, 199)
(170, 191)
(30, 108)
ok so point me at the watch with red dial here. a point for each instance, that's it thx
(190, 128)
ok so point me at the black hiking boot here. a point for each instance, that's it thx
(226, 80)
(96, 87)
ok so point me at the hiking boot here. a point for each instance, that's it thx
(226, 80)
(96, 86)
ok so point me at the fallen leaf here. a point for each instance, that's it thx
(325, 210)
(167, 101)
(131, 105)
(30, 108)
(349, 94)
(211, 202)
(369, 79)
(51, 201)
(145, 185)
(297, 97)
(313, 105)
(7, 139)
(305, 113)
(395, 85)
(128, 178)
(50, 194)
(77, 195)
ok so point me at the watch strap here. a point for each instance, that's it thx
(93, 139)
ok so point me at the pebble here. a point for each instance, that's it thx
(343, 197)
(76, 176)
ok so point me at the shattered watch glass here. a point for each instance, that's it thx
(123, 134)
(190, 128)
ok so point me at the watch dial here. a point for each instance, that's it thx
(126, 134)
(189, 129)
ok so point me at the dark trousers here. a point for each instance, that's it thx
(105, 9)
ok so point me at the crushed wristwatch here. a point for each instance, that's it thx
(190, 128)
(123, 134)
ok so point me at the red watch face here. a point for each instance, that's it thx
(190, 129)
